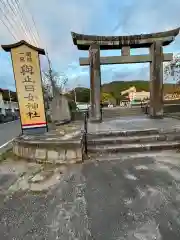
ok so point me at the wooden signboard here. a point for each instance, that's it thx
(27, 74)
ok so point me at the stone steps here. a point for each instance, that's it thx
(132, 141)
(132, 155)
(136, 132)
(160, 145)
(119, 112)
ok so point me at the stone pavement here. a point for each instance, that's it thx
(136, 198)
(135, 123)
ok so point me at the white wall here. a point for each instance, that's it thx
(1, 104)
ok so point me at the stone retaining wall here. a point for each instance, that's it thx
(57, 152)
(172, 108)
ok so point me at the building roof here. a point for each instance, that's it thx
(1, 89)
(83, 42)
(5, 90)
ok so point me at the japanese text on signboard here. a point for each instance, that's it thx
(28, 84)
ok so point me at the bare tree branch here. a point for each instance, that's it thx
(172, 69)
(54, 82)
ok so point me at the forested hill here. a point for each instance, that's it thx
(118, 86)
(115, 88)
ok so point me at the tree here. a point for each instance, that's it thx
(82, 94)
(9, 94)
(54, 81)
(106, 97)
(53, 84)
(172, 69)
(116, 95)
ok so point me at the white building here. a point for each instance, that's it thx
(7, 105)
(2, 109)
(134, 95)
(140, 96)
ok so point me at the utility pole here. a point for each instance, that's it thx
(75, 97)
(50, 74)
(9, 92)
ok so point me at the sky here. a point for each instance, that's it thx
(55, 19)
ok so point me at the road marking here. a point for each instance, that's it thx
(5, 144)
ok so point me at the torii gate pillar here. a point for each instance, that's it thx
(156, 81)
(95, 83)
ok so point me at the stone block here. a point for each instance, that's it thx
(20, 151)
(66, 152)
(52, 155)
(31, 153)
(79, 154)
(28, 153)
(62, 155)
(16, 150)
(71, 154)
(25, 152)
(73, 161)
(40, 154)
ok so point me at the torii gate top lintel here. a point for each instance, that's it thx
(83, 42)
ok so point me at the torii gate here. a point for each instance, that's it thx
(154, 42)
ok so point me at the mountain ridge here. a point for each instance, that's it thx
(118, 86)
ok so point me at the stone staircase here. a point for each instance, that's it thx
(116, 143)
(121, 112)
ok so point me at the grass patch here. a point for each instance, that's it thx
(6, 155)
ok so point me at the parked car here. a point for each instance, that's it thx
(2, 118)
(8, 117)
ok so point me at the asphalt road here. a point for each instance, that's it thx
(134, 199)
(8, 131)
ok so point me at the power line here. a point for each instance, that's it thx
(9, 20)
(16, 21)
(21, 14)
(37, 32)
(16, 13)
(8, 23)
(10, 31)
(41, 42)
(19, 26)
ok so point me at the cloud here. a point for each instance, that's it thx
(6, 72)
(148, 16)
(59, 18)
(56, 19)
